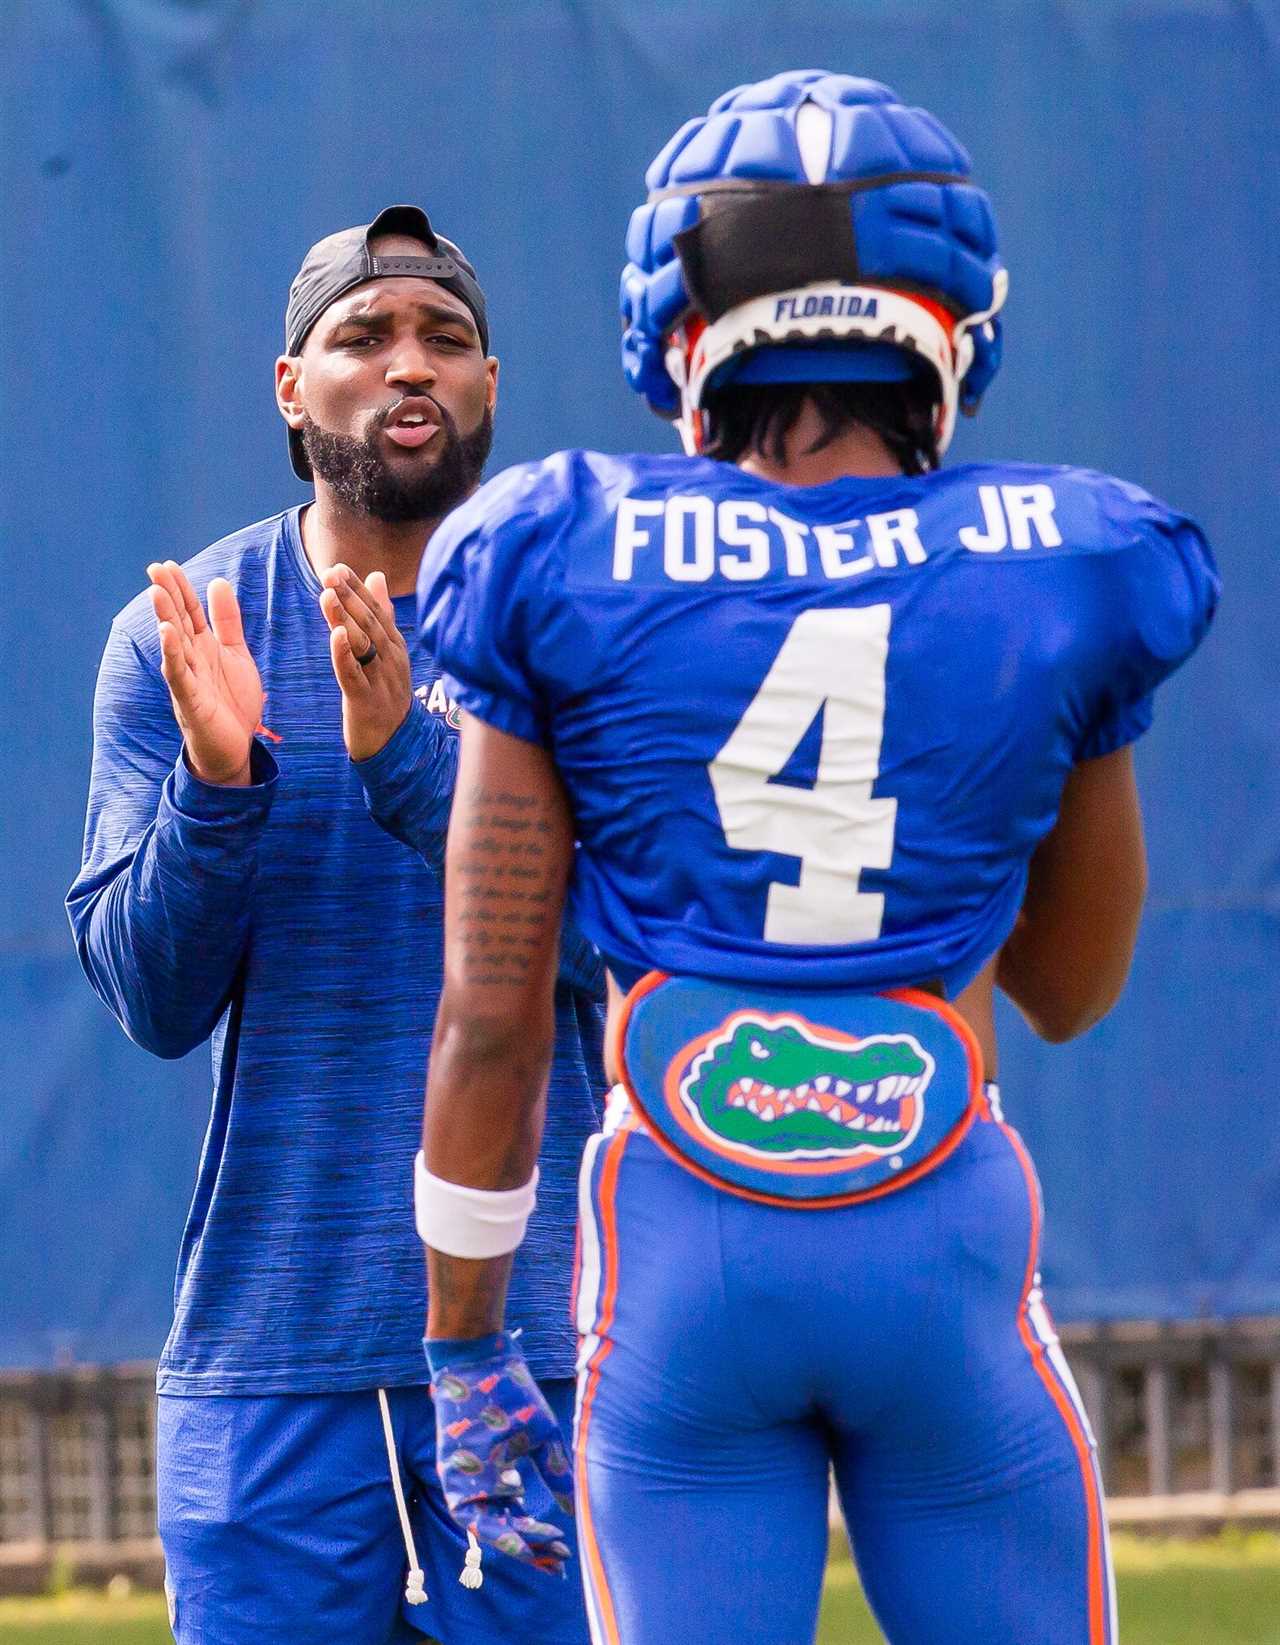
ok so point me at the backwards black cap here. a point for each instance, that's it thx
(343, 260)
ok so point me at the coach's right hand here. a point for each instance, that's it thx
(213, 681)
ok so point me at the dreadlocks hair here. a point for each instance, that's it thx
(760, 417)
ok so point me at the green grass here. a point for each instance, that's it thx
(1225, 1591)
(82, 1618)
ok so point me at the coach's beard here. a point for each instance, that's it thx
(360, 475)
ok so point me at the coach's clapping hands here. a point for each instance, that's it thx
(370, 659)
(213, 681)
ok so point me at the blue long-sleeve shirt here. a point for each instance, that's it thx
(283, 920)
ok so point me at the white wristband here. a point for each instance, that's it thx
(470, 1222)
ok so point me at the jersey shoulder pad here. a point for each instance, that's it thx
(489, 589)
(1159, 593)
(1126, 512)
(525, 495)
(1166, 575)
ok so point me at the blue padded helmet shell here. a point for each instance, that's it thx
(893, 200)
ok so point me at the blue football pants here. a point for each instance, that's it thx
(735, 1352)
(279, 1527)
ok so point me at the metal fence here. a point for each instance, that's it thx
(77, 1485)
(1187, 1419)
(1187, 1416)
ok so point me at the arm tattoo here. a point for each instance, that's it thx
(503, 887)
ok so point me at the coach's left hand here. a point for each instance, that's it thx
(370, 659)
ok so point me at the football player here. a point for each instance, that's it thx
(843, 740)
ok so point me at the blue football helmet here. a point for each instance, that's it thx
(811, 228)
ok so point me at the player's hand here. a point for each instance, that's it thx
(490, 1414)
(378, 693)
(213, 681)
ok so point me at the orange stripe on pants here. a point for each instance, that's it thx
(1066, 1409)
(604, 1319)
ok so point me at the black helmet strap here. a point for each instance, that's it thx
(748, 243)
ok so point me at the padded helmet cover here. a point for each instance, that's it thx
(741, 207)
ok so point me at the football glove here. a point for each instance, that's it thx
(491, 1415)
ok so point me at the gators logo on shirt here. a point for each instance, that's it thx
(438, 703)
(783, 1088)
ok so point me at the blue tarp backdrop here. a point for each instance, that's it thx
(164, 165)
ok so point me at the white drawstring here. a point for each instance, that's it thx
(471, 1576)
(414, 1590)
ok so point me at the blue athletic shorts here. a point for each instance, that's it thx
(280, 1527)
(735, 1352)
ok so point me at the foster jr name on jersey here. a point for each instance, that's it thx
(693, 537)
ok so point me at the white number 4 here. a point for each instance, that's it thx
(836, 660)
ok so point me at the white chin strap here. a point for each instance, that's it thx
(827, 311)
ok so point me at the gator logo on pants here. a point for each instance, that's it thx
(781, 1088)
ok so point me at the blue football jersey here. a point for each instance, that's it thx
(810, 735)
